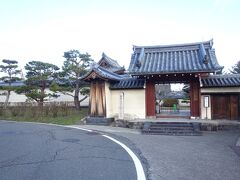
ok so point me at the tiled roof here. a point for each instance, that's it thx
(104, 74)
(229, 80)
(179, 58)
(113, 65)
(130, 83)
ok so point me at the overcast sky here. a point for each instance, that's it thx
(43, 29)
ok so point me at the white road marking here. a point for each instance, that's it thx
(137, 163)
(49, 124)
(89, 130)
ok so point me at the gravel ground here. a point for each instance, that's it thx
(213, 156)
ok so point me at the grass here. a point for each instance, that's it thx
(34, 115)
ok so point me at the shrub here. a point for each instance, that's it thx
(64, 108)
(33, 111)
(15, 111)
(187, 101)
(22, 109)
(54, 109)
(46, 110)
(1, 111)
(169, 102)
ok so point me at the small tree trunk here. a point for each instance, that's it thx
(40, 103)
(76, 98)
(7, 99)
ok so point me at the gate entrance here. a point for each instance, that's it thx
(173, 109)
(172, 102)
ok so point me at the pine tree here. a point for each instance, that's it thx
(10, 68)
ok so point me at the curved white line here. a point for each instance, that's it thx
(137, 163)
(89, 130)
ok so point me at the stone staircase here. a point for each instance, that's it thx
(172, 128)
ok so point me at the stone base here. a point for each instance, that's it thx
(218, 127)
(128, 124)
(99, 121)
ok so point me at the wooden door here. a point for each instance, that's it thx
(195, 98)
(150, 99)
(234, 107)
(220, 107)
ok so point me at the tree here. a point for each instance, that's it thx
(39, 76)
(236, 68)
(74, 67)
(9, 68)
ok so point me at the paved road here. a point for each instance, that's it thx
(33, 151)
(213, 156)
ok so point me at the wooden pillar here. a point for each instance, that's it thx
(97, 103)
(195, 98)
(150, 98)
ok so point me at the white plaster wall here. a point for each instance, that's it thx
(22, 98)
(205, 110)
(220, 90)
(13, 97)
(134, 103)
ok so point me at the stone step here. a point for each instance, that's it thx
(172, 124)
(168, 128)
(174, 133)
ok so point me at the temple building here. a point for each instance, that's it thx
(119, 94)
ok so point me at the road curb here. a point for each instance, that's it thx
(238, 142)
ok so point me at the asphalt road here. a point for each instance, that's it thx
(34, 151)
(212, 156)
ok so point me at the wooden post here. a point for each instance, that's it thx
(195, 98)
(150, 99)
(97, 103)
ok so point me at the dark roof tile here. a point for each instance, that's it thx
(181, 58)
(104, 73)
(130, 83)
(229, 80)
(112, 65)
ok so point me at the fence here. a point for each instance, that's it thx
(56, 103)
(32, 110)
(174, 110)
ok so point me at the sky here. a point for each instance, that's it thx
(43, 30)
